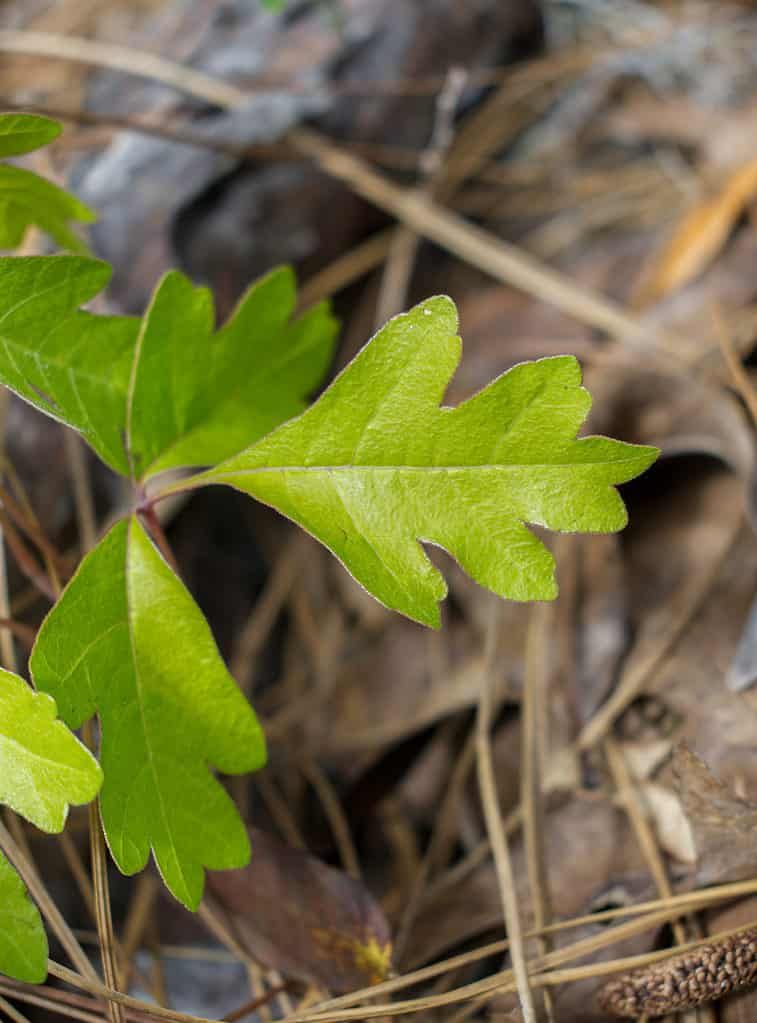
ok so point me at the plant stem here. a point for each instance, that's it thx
(150, 518)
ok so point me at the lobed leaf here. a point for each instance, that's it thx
(198, 397)
(376, 465)
(23, 944)
(164, 392)
(27, 199)
(127, 641)
(71, 365)
(43, 769)
(43, 766)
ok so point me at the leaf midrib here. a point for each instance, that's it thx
(140, 704)
(475, 467)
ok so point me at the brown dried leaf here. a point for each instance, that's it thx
(601, 619)
(589, 849)
(671, 824)
(687, 591)
(297, 915)
(723, 824)
(699, 236)
(645, 756)
(674, 412)
(390, 688)
(690, 682)
(742, 672)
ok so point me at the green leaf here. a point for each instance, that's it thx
(198, 397)
(28, 199)
(191, 397)
(43, 767)
(126, 640)
(375, 465)
(72, 365)
(23, 945)
(22, 133)
(13, 224)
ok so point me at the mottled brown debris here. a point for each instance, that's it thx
(685, 981)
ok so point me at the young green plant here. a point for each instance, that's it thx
(375, 468)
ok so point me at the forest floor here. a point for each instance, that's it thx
(608, 154)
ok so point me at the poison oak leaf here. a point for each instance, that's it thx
(71, 365)
(197, 397)
(43, 769)
(23, 133)
(23, 945)
(376, 465)
(127, 641)
(27, 199)
(166, 391)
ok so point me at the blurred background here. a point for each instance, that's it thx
(607, 150)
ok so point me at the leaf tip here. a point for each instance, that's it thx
(52, 127)
(86, 216)
(648, 455)
(191, 900)
(429, 615)
(261, 749)
(442, 308)
(551, 590)
(100, 272)
(37, 973)
(643, 456)
(285, 274)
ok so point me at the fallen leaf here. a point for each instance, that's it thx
(644, 757)
(674, 412)
(589, 848)
(404, 695)
(699, 236)
(303, 918)
(689, 681)
(601, 619)
(742, 672)
(723, 825)
(686, 587)
(671, 824)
